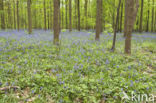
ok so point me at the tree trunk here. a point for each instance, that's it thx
(18, 15)
(9, 16)
(152, 18)
(70, 15)
(101, 19)
(121, 17)
(66, 14)
(75, 18)
(141, 15)
(98, 20)
(56, 22)
(51, 16)
(113, 16)
(78, 7)
(62, 16)
(2, 15)
(86, 15)
(45, 18)
(115, 29)
(131, 8)
(148, 12)
(59, 17)
(14, 14)
(29, 16)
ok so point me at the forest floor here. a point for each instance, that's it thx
(80, 70)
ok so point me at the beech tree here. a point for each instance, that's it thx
(70, 15)
(2, 15)
(98, 18)
(78, 8)
(45, 18)
(18, 15)
(56, 22)
(131, 9)
(141, 15)
(29, 16)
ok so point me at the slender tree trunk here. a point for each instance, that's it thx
(51, 15)
(141, 15)
(86, 15)
(115, 29)
(70, 15)
(155, 22)
(45, 15)
(18, 15)
(131, 8)
(59, 16)
(152, 27)
(121, 17)
(98, 20)
(78, 7)
(2, 14)
(62, 16)
(101, 19)
(113, 17)
(29, 16)
(9, 16)
(66, 14)
(75, 18)
(14, 14)
(148, 12)
(56, 22)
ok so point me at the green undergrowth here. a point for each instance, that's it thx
(76, 72)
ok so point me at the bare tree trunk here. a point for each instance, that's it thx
(152, 18)
(141, 15)
(56, 22)
(2, 15)
(18, 15)
(29, 16)
(9, 16)
(86, 15)
(98, 20)
(147, 26)
(101, 19)
(113, 17)
(115, 29)
(62, 16)
(70, 15)
(14, 14)
(45, 18)
(121, 17)
(51, 16)
(66, 14)
(75, 18)
(78, 7)
(131, 8)
(59, 16)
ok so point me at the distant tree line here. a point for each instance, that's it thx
(123, 16)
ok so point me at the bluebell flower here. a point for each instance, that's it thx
(39, 96)
(53, 70)
(0, 83)
(131, 83)
(121, 89)
(129, 67)
(32, 91)
(147, 88)
(41, 88)
(107, 61)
